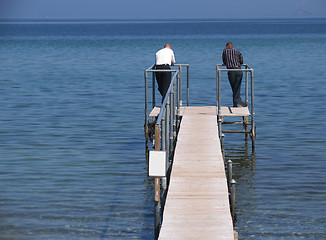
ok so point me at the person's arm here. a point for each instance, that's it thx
(172, 59)
(240, 58)
(224, 57)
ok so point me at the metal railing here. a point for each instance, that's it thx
(169, 115)
(167, 121)
(180, 82)
(179, 85)
(249, 71)
(166, 124)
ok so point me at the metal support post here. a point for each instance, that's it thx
(167, 129)
(163, 131)
(146, 112)
(178, 108)
(166, 140)
(253, 126)
(146, 100)
(153, 86)
(180, 84)
(179, 89)
(233, 182)
(174, 125)
(247, 86)
(217, 85)
(223, 146)
(229, 167)
(171, 132)
(218, 101)
(187, 85)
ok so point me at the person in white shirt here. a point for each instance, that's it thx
(164, 59)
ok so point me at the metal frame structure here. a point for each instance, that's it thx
(166, 125)
(249, 71)
(153, 71)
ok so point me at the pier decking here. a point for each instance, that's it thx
(225, 111)
(197, 204)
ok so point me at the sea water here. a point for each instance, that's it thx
(72, 147)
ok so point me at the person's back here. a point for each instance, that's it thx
(163, 59)
(233, 59)
(165, 56)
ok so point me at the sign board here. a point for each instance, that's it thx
(157, 164)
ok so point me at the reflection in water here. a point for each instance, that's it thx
(244, 165)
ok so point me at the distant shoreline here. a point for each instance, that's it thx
(133, 20)
(158, 19)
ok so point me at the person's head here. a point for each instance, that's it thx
(229, 45)
(167, 46)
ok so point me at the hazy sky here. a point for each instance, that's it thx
(142, 9)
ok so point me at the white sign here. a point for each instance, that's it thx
(157, 164)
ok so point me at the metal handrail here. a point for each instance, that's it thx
(248, 71)
(150, 69)
(171, 101)
(166, 98)
(180, 87)
(168, 120)
(166, 125)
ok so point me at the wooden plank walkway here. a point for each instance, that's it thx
(197, 204)
(225, 111)
(235, 111)
(156, 111)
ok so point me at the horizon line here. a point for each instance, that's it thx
(161, 19)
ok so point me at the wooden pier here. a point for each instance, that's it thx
(192, 192)
(197, 203)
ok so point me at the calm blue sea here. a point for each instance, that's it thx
(72, 150)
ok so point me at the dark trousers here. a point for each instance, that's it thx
(235, 78)
(163, 79)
